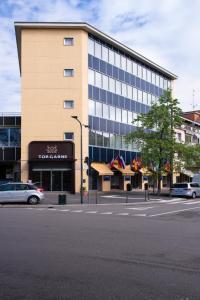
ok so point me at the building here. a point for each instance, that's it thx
(10, 135)
(73, 69)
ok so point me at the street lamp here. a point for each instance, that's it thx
(81, 127)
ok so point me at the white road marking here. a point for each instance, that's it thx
(123, 214)
(91, 212)
(106, 213)
(77, 211)
(53, 209)
(173, 212)
(64, 210)
(139, 215)
(191, 202)
(139, 208)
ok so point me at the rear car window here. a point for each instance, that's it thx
(194, 184)
(180, 185)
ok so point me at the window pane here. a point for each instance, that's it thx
(112, 85)
(124, 90)
(112, 140)
(118, 142)
(139, 71)
(98, 80)
(130, 117)
(153, 77)
(144, 73)
(112, 113)
(91, 107)
(139, 95)
(118, 87)
(129, 91)
(15, 137)
(117, 60)
(124, 144)
(105, 82)
(68, 72)
(106, 140)
(134, 68)
(123, 63)
(105, 111)
(145, 100)
(135, 96)
(91, 76)
(69, 136)
(105, 53)
(111, 57)
(129, 65)
(68, 41)
(92, 136)
(148, 75)
(99, 137)
(157, 80)
(4, 137)
(124, 116)
(68, 104)
(91, 47)
(118, 114)
(98, 109)
(97, 50)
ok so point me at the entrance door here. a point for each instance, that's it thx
(46, 180)
(57, 184)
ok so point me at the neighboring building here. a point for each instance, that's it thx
(73, 69)
(10, 135)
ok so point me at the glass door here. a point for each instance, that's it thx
(57, 181)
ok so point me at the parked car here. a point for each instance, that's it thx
(186, 189)
(20, 192)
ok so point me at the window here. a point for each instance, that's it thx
(112, 113)
(91, 47)
(134, 68)
(92, 137)
(99, 109)
(105, 111)
(118, 142)
(139, 71)
(112, 140)
(118, 87)
(135, 95)
(68, 41)
(118, 114)
(68, 72)
(98, 80)
(106, 140)
(111, 57)
(98, 50)
(129, 66)
(69, 104)
(105, 82)
(117, 60)
(91, 108)
(124, 90)
(112, 85)
(91, 77)
(123, 63)
(129, 91)
(139, 95)
(68, 136)
(105, 53)
(4, 137)
(130, 117)
(148, 75)
(99, 136)
(153, 78)
(124, 116)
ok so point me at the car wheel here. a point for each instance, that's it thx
(193, 195)
(33, 200)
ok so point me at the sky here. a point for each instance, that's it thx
(164, 31)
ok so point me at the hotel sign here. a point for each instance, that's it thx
(51, 151)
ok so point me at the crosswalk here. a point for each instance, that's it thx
(146, 209)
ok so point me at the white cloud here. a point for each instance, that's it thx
(163, 31)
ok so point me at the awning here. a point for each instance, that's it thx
(102, 168)
(146, 172)
(126, 171)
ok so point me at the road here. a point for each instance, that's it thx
(146, 250)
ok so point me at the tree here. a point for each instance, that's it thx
(154, 136)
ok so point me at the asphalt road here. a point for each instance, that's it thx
(136, 251)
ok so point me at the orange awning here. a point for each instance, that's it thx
(126, 171)
(102, 168)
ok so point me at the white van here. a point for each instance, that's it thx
(196, 178)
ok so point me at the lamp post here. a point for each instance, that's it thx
(81, 145)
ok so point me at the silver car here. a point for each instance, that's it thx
(185, 189)
(20, 192)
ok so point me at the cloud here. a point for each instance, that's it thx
(163, 31)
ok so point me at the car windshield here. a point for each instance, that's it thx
(180, 185)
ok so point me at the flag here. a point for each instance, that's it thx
(167, 166)
(123, 162)
(112, 163)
